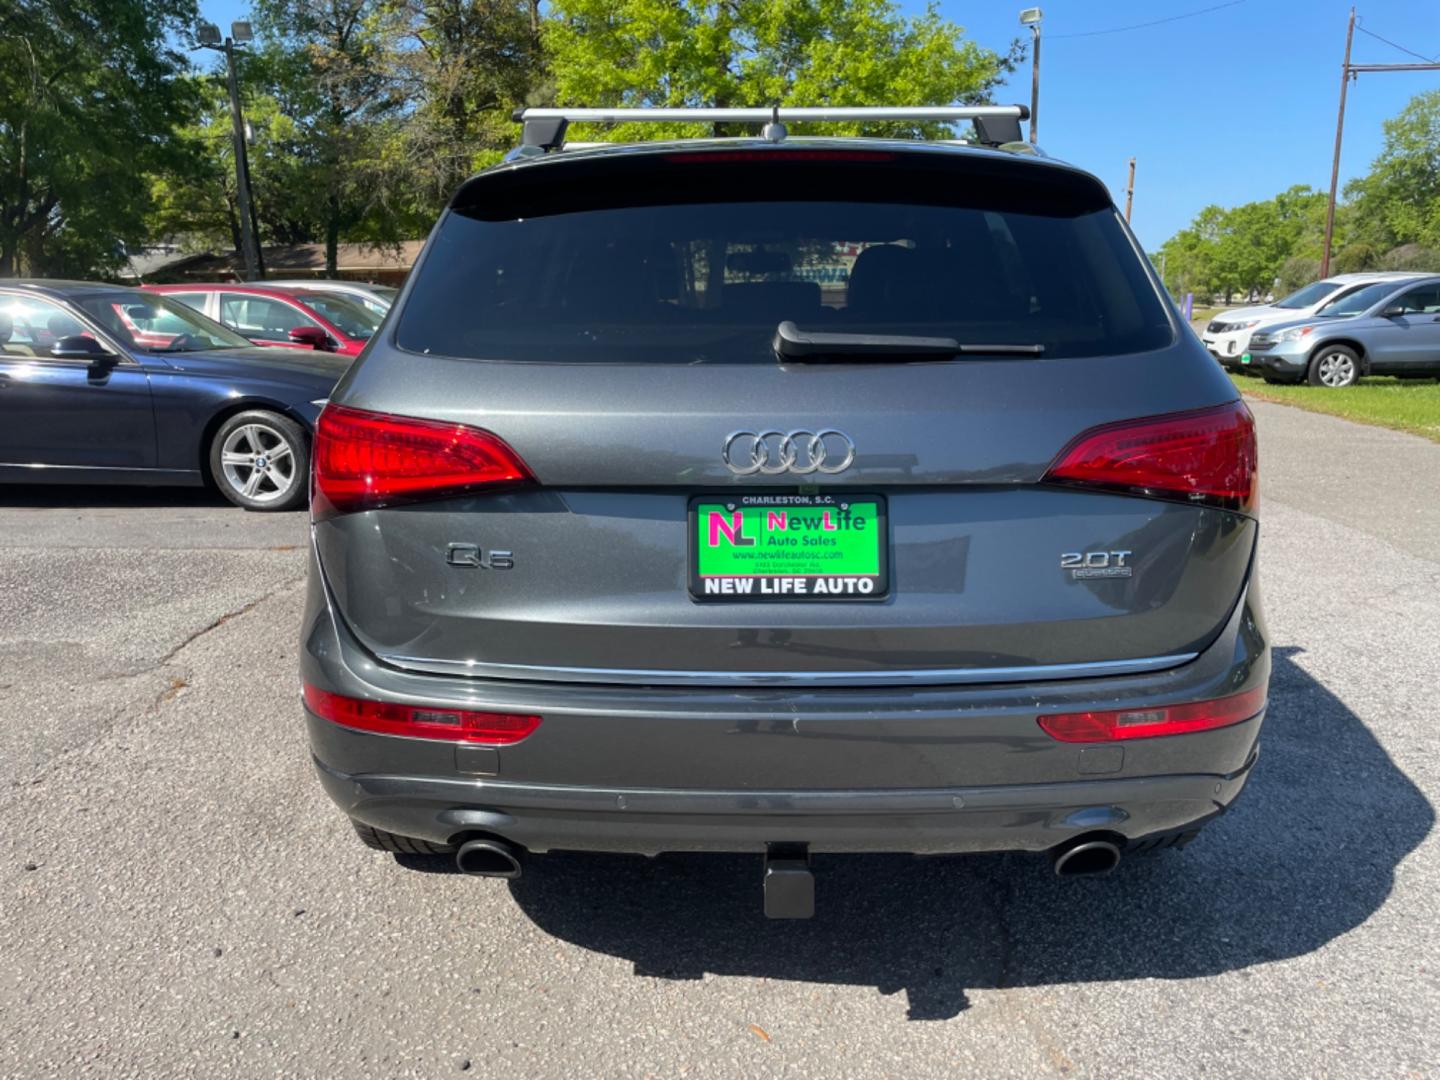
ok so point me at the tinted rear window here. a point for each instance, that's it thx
(707, 281)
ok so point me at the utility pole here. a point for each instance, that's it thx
(242, 170)
(1031, 17)
(1335, 165)
(1348, 71)
(209, 37)
(1130, 191)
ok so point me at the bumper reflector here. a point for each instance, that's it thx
(1116, 724)
(420, 722)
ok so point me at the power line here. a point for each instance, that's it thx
(1154, 22)
(1402, 48)
(1347, 72)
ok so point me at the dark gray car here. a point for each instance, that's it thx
(783, 496)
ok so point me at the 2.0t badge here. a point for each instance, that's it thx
(1086, 565)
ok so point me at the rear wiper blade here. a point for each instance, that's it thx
(792, 343)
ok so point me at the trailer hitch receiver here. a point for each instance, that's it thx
(789, 884)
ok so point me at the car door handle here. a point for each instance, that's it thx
(4, 381)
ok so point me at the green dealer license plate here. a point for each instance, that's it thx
(788, 547)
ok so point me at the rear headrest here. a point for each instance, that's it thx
(766, 300)
(7, 327)
(615, 282)
(924, 285)
(879, 279)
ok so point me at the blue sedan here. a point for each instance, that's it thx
(104, 384)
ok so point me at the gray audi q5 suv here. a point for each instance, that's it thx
(783, 496)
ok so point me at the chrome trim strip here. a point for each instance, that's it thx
(95, 468)
(661, 677)
(509, 795)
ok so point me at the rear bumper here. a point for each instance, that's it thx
(924, 770)
(1030, 817)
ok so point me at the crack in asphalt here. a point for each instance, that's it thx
(174, 686)
(289, 583)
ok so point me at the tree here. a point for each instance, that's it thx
(363, 123)
(466, 65)
(1412, 257)
(1192, 255)
(1390, 220)
(1398, 202)
(764, 52)
(1245, 249)
(194, 201)
(1296, 272)
(343, 100)
(1258, 237)
(90, 97)
(196, 205)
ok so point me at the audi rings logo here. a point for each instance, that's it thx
(770, 453)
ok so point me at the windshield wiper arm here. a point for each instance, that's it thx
(792, 343)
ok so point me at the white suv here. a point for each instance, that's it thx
(1227, 336)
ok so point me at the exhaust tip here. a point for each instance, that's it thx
(1087, 858)
(489, 858)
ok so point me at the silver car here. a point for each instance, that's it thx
(1388, 328)
(1227, 336)
(377, 298)
(783, 496)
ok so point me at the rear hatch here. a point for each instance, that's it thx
(625, 470)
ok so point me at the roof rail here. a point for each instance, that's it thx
(995, 124)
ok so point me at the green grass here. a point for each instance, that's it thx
(1386, 402)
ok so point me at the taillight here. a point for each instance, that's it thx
(1112, 725)
(420, 721)
(365, 460)
(1207, 456)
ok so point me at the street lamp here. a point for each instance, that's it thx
(241, 33)
(1031, 17)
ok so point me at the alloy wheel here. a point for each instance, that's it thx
(1336, 369)
(258, 462)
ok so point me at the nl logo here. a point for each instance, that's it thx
(780, 524)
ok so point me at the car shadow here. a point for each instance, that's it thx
(1308, 853)
(83, 496)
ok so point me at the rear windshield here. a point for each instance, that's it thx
(708, 282)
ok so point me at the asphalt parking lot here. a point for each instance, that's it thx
(177, 897)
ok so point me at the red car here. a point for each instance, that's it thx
(308, 318)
